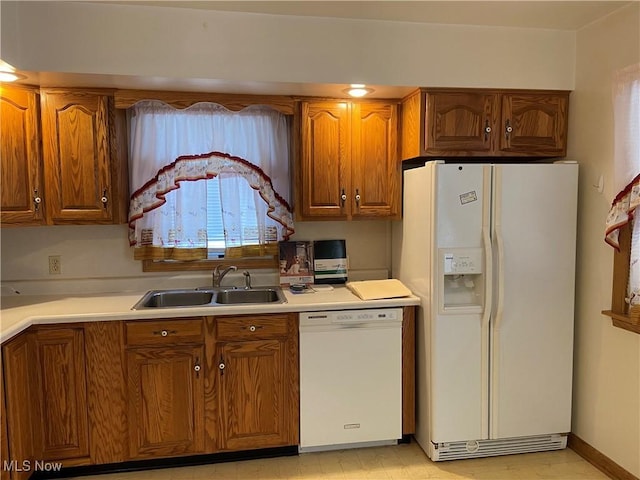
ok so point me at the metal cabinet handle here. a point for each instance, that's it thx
(487, 130)
(343, 197)
(37, 200)
(357, 197)
(221, 366)
(507, 129)
(197, 367)
(165, 333)
(253, 328)
(104, 198)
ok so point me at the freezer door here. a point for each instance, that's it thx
(458, 340)
(534, 239)
(459, 205)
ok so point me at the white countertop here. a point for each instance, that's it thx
(21, 311)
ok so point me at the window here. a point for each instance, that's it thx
(207, 180)
(215, 222)
(623, 221)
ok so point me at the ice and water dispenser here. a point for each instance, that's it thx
(461, 280)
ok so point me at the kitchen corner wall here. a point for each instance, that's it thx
(607, 359)
(97, 258)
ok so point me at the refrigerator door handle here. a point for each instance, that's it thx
(500, 282)
(488, 287)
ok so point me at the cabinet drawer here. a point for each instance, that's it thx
(161, 332)
(252, 327)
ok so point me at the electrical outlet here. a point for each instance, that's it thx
(55, 265)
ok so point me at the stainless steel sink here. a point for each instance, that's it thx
(175, 298)
(253, 295)
(211, 297)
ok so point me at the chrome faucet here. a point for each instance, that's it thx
(219, 275)
(247, 279)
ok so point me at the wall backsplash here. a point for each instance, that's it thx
(97, 258)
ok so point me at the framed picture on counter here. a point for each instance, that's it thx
(296, 262)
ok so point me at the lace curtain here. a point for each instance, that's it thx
(172, 154)
(626, 205)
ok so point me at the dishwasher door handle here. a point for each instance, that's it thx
(343, 324)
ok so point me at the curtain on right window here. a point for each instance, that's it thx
(625, 207)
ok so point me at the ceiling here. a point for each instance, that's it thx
(562, 15)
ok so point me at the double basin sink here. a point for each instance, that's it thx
(209, 297)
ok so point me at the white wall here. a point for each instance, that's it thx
(74, 37)
(607, 359)
(97, 258)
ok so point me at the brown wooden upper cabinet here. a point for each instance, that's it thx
(76, 130)
(60, 164)
(484, 123)
(21, 175)
(349, 165)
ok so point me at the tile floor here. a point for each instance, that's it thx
(400, 462)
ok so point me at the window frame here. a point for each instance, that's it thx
(620, 309)
(285, 104)
(209, 264)
(619, 312)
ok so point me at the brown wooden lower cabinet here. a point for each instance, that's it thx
(61, 380)
(105, 392)
(4, 436)
(257, 381)
(18, 389)
(166, 401)
(408, 370)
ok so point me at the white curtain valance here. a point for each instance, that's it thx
(626, 111)
(201, 167)
(625, 208)
(622, 211)
(172, 154)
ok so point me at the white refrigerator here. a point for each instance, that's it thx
(490, 251)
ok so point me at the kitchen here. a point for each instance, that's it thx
(293, 50)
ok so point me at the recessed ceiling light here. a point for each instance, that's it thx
(10, 76)
(8, 72)
(358, 90)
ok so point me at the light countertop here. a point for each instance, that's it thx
(21, 311)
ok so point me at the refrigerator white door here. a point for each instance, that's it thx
(534, 236)
(458, 342)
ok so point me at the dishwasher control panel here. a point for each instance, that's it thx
(352, 316)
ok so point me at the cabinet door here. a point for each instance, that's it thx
(106, 392)
(534, 124)
(460, 123)
(253, 401)
(324, 176)
(20, 187)
(19, 388)
(77, 157)
(166, 401)
(376, 172)
(4, 437)
(60, 370)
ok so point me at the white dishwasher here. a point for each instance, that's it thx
(350, 378)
